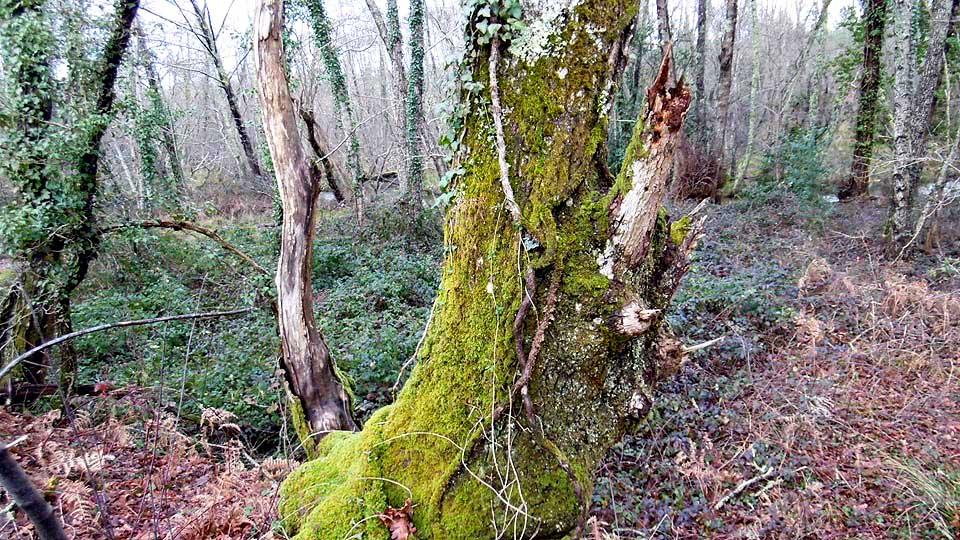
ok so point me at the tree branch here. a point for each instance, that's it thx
(23, 492)
(122, 324)
(179, 225)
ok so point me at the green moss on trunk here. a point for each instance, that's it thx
(526, 473)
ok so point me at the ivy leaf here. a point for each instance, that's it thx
(399, 521)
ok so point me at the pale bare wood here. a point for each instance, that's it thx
(306, 359)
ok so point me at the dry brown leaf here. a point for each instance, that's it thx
(399, 521)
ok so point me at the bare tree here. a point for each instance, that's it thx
(202, 28)
(321, 403)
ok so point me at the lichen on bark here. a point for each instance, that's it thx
(475, 450)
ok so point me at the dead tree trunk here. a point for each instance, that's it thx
(507, 414)
(875, 20)
(321, 403)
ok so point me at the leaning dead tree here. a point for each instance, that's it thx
(549, 332)
(320, 402)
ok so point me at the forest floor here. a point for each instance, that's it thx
(831, 409)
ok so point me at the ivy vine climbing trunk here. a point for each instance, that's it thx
(874, 23)
(549, 333)
(323, 36)
(163, 116)
(413, 197)
(320, 401)
(57, 245)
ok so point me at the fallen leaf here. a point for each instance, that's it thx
(399, 521)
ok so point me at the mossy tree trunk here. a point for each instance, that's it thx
(548, 335)
(320, 402)
(413, 198)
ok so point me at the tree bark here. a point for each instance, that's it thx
(725, 81)
(506, 416)
(665, 33)
(903, 53)
(321, 403)
(208, 39)
(913, 103)
(754, 97)
(874, 21)
(333, 171)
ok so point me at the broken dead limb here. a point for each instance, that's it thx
(179, 225)
(742, 486)
(705, 345)
(122, 324)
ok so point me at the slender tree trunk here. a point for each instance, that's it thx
(903, 49)
(321, 403)
(390, 35)
(500, 428)
(699, 78)
(875, 20)
(942, 15)
(413, 197)
(725, 81)
(754, 96)
(208, 39)
(663, 25)
(168, 130)
(337, 178)
(665, 33)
